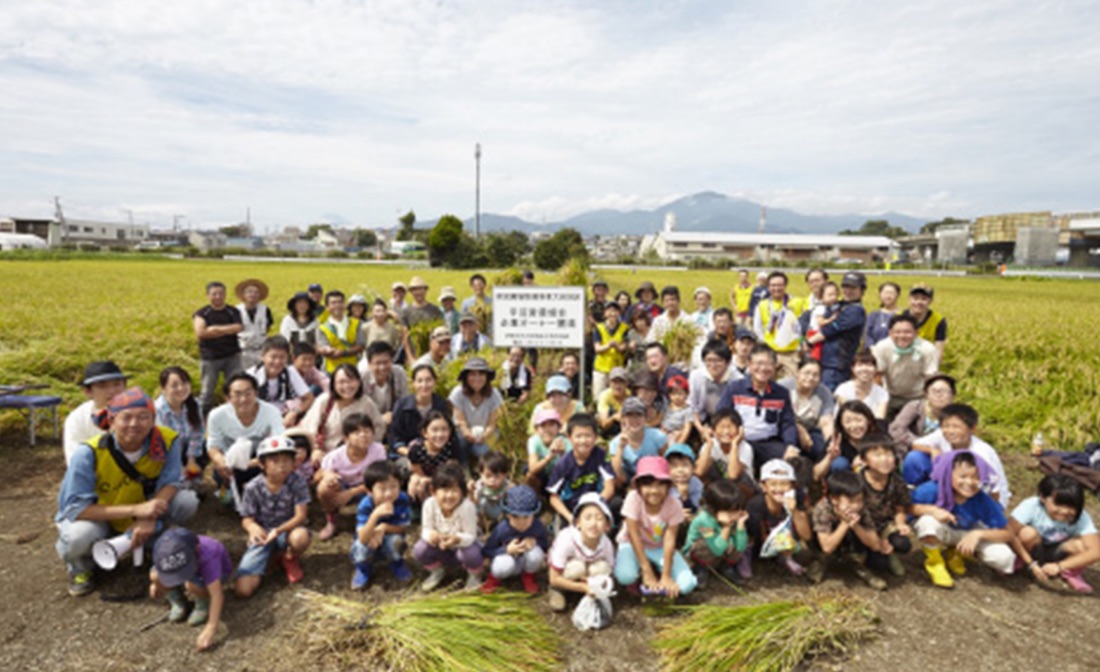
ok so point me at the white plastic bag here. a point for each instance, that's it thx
(593, 612)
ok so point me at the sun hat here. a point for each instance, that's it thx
(476, 364)
(521, 500)
(101, 372)
(633, 406)
(447, 292)
(399, 285)
(299, 296)
(558, 383)
(417, 282)
(704, 290)
(778, 470)
(652, 466)
(592, 499)
(357, 298)
(647, 285)
(244, 284)
(175, 557)
(441, 334)
(467, 316)
(545, 415)
(275, 445)
(680, 449)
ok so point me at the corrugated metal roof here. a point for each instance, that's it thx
(777, 239)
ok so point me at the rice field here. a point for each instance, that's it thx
(1025, 351)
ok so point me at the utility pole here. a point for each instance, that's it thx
(477, 191)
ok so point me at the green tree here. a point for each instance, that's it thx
(235, 231)
(877, 227)
(313, 229)
(408, 223)
(552, 252)
(365, 238)
(444, 239)
(505, 249)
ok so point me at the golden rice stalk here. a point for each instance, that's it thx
(772, 637)
(680, 341)
(450, 632)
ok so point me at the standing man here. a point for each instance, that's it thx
(340, 337)
(759, 293)
(256, 320)
(123, 480)
(480, 304)
(776, 324)
(841, 337)
(216, 326)
(662, 324)
(741, 298)
(419, 310)
(931, 326)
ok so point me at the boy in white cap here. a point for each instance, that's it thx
(769, 510)
(581, 550)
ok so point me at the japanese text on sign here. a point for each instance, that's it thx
(538, 317)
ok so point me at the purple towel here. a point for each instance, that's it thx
(941, 476)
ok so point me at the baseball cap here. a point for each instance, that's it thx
(467, 316)
(100, 372)
(441, 334)
(175, 557)
(558, 383)
(854, 279)
(315, 287)
(922, 288)
(592, 499)
(618, 373)
(633, 406)
(653, 466)
(544, 415)
(742, 332)
(676, 382)
(777, 470)
(680, 449)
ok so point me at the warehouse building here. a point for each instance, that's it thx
(766, 247)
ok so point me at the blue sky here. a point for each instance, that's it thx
(307, 111)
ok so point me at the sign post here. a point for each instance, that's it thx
(540, 317)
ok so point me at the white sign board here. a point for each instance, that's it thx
(538, 317)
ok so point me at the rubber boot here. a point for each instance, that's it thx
(936, 568)
(955, 562)
(177, 606)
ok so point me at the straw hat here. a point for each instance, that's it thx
(260, 285)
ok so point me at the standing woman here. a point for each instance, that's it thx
(178, 410)
(813, 407)
(476, 404)
(300, 325)
(637, 338)
(325, 420)
(878, 322)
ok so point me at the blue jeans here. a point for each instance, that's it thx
(255, 558)
(391, 550)
(917, 467)
(75, 538)
(628, 572)
(832, 378)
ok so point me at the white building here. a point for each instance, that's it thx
(672, 245)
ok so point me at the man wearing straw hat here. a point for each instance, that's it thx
(125, 480)
(255, 318)
(419, 310)
(216, 326)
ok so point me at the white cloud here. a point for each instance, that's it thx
(366, 109)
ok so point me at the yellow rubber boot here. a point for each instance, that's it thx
(936, 568)
(955, 562)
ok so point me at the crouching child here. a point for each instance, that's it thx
(958, 520)
(273, 513)
(380, 525)
(518, 544)
(582, 550)
(770, 509)
(718, 538)
(1053, 535)
(647, 541)
(886, 501)
(843, 527)
(448, 530)
(202, 567)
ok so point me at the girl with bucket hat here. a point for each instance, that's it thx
(476, 406)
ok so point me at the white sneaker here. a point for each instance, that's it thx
(473, 582)
(435, 577)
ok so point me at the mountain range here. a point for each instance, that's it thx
(704, 211)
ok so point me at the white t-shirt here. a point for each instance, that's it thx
(722, 460)
(223, 427)
(79, 427)
(294, 382)
(568, 546)
(982, 450)
(878, 396)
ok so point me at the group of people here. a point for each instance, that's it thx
(798, 430)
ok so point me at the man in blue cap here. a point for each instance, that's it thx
(840, 338)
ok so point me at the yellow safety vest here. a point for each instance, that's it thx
(113, 486)
(764, 308)
(332, 362)
(927, 330)
(743, 297)
(605, 361)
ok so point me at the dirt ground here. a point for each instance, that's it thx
(986, 623)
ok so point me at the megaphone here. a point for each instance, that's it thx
(107, 552)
